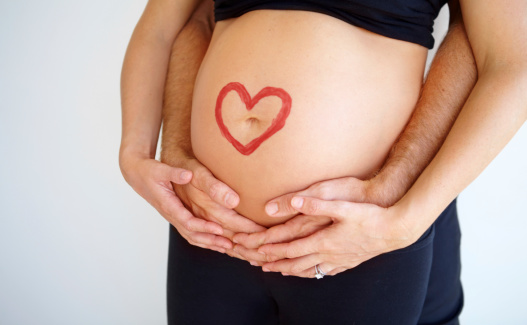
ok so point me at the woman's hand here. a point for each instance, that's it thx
(153, 180)
(358, 232)
(350, 189)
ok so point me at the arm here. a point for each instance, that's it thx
(142, 81)
(494, 111)
(144, 71)
(205, 196)
(451, 77)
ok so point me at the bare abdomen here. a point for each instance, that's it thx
(351, 92)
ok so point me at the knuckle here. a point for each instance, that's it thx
(326, 246)
(290, 252)
(313, 206)
(269, 258)
(215, 190)
(197, 173)
(162, 208)
(191, 241)
(296, 269)
(284, 205)
(322, 190)
(189, 225)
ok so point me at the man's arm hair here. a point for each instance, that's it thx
(451, 77)
(188, 51)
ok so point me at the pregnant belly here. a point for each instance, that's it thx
(284, 99)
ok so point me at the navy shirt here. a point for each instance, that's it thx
(407, 20)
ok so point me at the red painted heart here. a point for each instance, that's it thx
(277, 123)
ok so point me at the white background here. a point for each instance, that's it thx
(78, 246)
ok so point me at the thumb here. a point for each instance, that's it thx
(281, 206)
(178, 175)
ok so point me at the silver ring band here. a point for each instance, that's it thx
(319, 274)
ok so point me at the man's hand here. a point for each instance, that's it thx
(153, 181)
(374, 191)
(452, 76)
(210, 199)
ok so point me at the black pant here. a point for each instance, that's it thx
(419, 284)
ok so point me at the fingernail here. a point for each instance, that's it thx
(235, 248)
(230, 200)
(253, 264)
(266, 269)
(260, 252)
(285, 274)
(271, 208)
(234, 240)
(185, 176)
(297, 202)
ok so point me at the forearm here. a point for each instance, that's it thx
(143, 76)
(451, 77)
(188, 51)
(493, 113)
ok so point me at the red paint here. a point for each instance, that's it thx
(277, 123)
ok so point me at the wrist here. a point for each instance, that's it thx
(175, 156)
(405, 226)
(129, 159)
(415, 214)
(384, 189)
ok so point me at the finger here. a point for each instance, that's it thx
(210, 210)
(337, 271)
(234, 254)
(281, 206)
(316, 243)
(234, 221)
(317, 207)
(217, 249)
(216, 190)
(293, 266)
(192, 242)
(252, 241)
(344, 189)
(206, 209)
(250, 254)
(171, 207)
(324, 268)
(298, 227)
(177, 175)
(209, 240)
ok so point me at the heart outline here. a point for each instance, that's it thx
(276, 124)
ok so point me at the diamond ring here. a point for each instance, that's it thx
(319, 274)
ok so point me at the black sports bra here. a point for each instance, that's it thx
(407, 20)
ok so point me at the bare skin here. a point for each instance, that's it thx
(450, 80)
(493, 113)
(445, 87)
(464, 154)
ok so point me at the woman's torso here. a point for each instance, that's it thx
(352, 92)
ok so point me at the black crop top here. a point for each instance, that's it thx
(407, 20)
